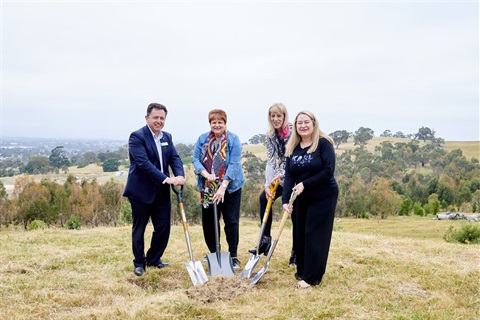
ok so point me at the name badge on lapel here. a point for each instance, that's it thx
(164, 144)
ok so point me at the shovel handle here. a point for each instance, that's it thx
(286, 214)
(273, 189)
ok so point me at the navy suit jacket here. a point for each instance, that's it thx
(145, 176)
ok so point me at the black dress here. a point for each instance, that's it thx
(314, 207)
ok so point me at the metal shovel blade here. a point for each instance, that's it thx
(196, 272)
(220, 264)
(259, 275)
(252, 262)
(250, 266)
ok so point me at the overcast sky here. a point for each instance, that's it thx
(85, 69)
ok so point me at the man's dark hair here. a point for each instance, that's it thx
(155, 105)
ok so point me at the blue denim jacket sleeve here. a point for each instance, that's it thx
(234, 163)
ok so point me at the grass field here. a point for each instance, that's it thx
(398, 268)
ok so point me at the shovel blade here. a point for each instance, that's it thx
(202, 276)
(196, 272)
(250, 266)
(222, 266)
(259, 275)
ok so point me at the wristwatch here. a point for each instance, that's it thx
(224, 185)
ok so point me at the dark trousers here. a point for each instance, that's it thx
(314, 230)
(160, 213)
(230, 210)
(268, 224)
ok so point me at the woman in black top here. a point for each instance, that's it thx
(309, 171)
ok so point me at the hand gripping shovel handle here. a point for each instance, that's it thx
(286, 214)
(273, 189)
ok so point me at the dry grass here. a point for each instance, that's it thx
(399, 268)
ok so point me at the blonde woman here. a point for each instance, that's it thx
(309, 171)
(275, 141)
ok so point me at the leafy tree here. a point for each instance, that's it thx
(58, 158)
(386, 148)
(387, 133)
(425, 133)
(383, 200)
(434, 203)
(339, 137)
(32, 201)
(418, 209)
(399, 134)
(191, 204)
(362, 135)
(112, 196)
(6, 215)
(257, 139)
(90, 157)
(38, 165)
(250, 204)
(406, 207)
(184, 151)
(463, 195)
(110, 165)
(58, 204)
(253, 167)
(357, 201)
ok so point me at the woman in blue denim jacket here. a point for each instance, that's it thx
(217, 160)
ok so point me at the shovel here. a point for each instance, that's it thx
(286, 214)
(252, 262)
(194, 268)
(219, 263)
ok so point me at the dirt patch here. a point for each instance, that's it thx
(411, 289)
(219, 288)
(158, 280)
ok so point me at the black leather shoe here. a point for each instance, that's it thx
(139, 271)
(236, 263)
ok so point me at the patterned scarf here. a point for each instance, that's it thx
(213, 157)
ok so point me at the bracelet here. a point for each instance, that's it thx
(225, 185)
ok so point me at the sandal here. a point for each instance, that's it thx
(302, 285)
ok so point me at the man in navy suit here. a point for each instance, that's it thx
(151, 152)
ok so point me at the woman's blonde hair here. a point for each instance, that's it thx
(285, 130)
(316, 135)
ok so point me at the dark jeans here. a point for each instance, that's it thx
(230, 210)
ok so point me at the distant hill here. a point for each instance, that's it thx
(470, 149)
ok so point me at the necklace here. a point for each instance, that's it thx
(304, 145)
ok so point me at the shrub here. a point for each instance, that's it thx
(467, 234)
(418, 209)
(126, 211)
(73, 223)
(364, 215)
(406, 207)
(37, 224)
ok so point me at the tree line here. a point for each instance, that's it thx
(413, 177)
